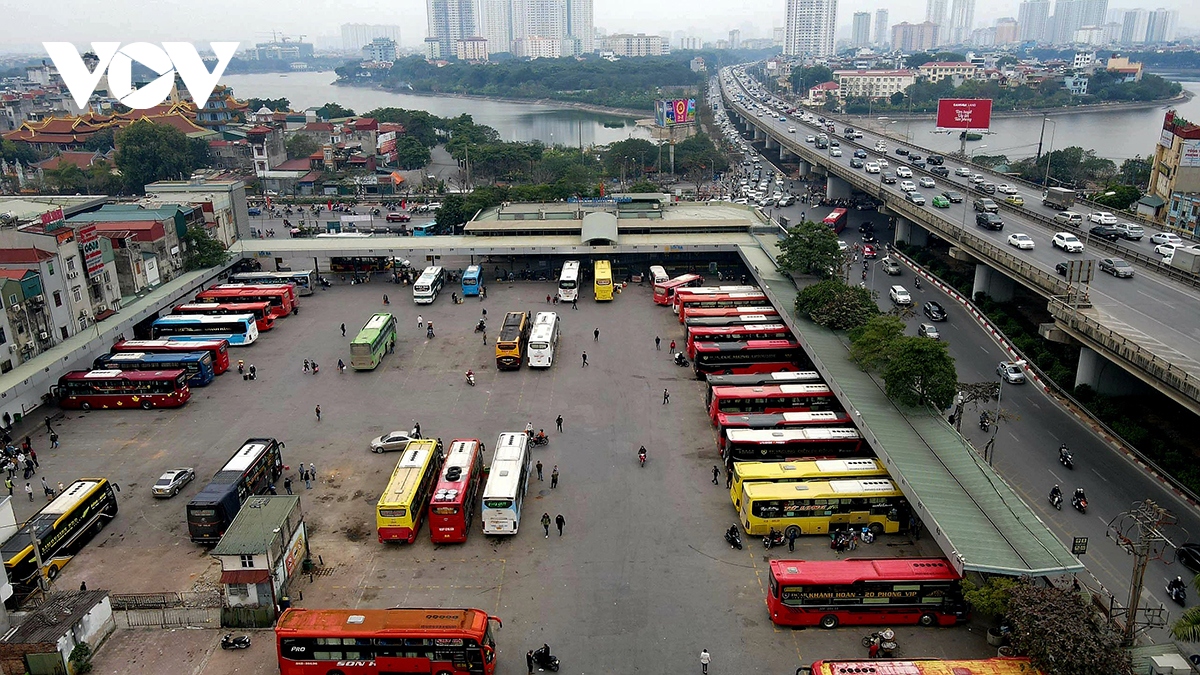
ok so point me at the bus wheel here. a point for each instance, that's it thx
(85, 405)
(146, 405)
(792, 531)
(928, 620)
(876, 529)
(829, 621)
(52, 572)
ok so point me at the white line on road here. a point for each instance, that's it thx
(1151, 297)
(1100, 475)
(1058, 480)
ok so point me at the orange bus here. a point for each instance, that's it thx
(452, 506)
(260, 310)
(385, 641)
(770, 398)
(282, 297)
(996, 666)
(707, 290)
(664, 292)
(689, 303)
(754, 331)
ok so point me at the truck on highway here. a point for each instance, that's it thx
(1058, 198)
(1186, 259)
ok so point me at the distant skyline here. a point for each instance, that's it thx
(28, 24)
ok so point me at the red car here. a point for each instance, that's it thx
(398, 217)
(869, 252)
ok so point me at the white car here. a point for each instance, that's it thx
(1067, 242)
(835, 152)
(883, 163)
(899, 295)
(880, 146)
(396, 440)
(926, 182)
(872, 167)
(1021, 241)
(810, 139)
(791, 130)
(1102, 218)
(962, 171)
(1165, 238)
(170, 483)
(903, 172)
(907, 186)
(1006, 189)
(1167, 250)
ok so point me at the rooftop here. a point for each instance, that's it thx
(55, 618)
(256, 525)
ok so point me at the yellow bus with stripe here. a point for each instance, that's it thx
(406, 499)
(603, 281)
(745, 473)
(814, 507)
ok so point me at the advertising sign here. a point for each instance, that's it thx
(51, 217)
(1166, 138)
(964, 113)
(89, 241)
(385, 143)
(1189, 154)
(668, 113)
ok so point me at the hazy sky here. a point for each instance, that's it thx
(28, 23)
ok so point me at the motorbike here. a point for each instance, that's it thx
(540, 440)
(429, 332)
(985, 423)
(1056, 500)
(775, 538)
(1065, 458)
(325, 282)
(681, 360)
(481, 326)
(470, 378)
(642, 462)
(1080, 504)
(734, 537)
(228, 641)
(542, 658)
(886, 640)
(1178, 593)
(917, 282)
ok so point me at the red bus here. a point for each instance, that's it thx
(754, 331)
(1000, 665)
(728, 312)
(760, 379)
(290, 287)
(836, 220)
(218, 349)
(783, 445)
(770, 398)
(279, 296)
(751, 356)
(122, 389)
(689, 303)
(260, 310)
(452, 506)
(783, 420)
(377, 641)
(766, 315)
(666, 290)
(708, 290)
(859, 591)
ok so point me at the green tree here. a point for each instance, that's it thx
(200, 151)
(11, 151)
(411, 153)
(921, 372)
(1135, 172)
(81, 658)
(645, 186)
(452, 213)
(101, 141)
(1061, 633)
(871, 344)
(300, 146)
(147, 152)
(274, 104)
(102, 179)
(629, 157)
(805, 78)
(812, 249)
(333, 111)
(1122, 197)
(201, 250)
(835, 305)
(64, 178)
(992, 597)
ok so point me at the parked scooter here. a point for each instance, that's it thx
(228, 641)
(886, 639)
(985, 422)
(775, 538)
(542, 658)
(734, 536)
(481, 326)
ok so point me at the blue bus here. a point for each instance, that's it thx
(424, 229)
(198, 365)
(239, 329)
(472, 281)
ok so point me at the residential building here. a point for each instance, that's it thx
(624, 44)
(48, 635)
(936, 71)
(471, 49)
(1099, 36)
(810, 28)
(1032, 19)
(818, 94)
(1095, 12)
(873, 83)
(380, 50)
(881, 27)
(962, 21)
(433, 49)
(1130, 71)
(283, 50)
(449, 20)
(935, 13)
(1006, 31)
(1083, 61)
(145, 240)
(777, 34)
(914, 37)
(735, 39)
(1076, 85)
(52, 298)
(495, 24)
(540, 18)
(860, 31)
(1183, 212)
(260, 553)
(221, 202)
(267, 148)
(1175, 171)
(1161, 25)
(581, 25)
(355, 36)
(691, 43)
(534, 47)
(1133, 26)
(1071, 15)
(25, 318)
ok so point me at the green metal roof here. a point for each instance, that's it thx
(978, 520)
(254, 528)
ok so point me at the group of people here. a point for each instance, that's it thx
(311, 366)
(842, 540)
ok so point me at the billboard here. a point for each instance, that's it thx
(964, 113)
(1189, 154)
(93, 258)
(668, 113)
(385, 143)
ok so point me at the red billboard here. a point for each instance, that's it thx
(964, 113)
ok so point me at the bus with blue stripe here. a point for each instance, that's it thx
(239, 329)
(198, 365)
(472, 281)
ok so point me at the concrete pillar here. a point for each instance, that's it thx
(803, 168)
(992, 283)
(910, 232)
(836, 188)
(903, 230)
(1104, 376)
(758, 134)
(784, 153)
(770, 143)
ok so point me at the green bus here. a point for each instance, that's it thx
(374, 340)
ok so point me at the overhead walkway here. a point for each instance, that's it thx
(977, 519)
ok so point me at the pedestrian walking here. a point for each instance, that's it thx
(318, 411)
(485, 312)
(341, 366)
(558, 421)
(343, 330)
(306, 366)
(253, 372)
(485, 337)
(716, 472)
(48, 429)
(287, 485)
(728, 477)
(596, 335)
(529, 430)
(46, 486)
(548, 298)
(539, 469)
(8, 483)
(83, 585)
(873, 650)
(666, 397)
(53, 439)
(420, 321)
(672, 348)
(705, 658)
(559, 521)
(29, 491)
(312, 469)
(385, 299)
(585, 359)
(791, 537)
(307, 478)
(657, 343)
(573, 305)
(33, 456)
(554, 477)
(529, 661)
(545, 520)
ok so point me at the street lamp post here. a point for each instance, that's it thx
(1050, 151)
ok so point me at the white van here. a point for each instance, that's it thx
(1069, 218)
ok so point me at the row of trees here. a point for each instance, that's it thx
(146, 152)
(1118, 187)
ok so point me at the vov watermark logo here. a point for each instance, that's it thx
(172, 57)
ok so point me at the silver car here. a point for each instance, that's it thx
(170, 483)
(929, 330)
(391, 442)
(1011, 372)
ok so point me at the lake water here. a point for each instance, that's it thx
(514, 121)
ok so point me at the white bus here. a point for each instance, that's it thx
(543, 340)
(427, 287)
(342, 235)
(658, 274)
(568, 282)
(506, 483)
(305, 280)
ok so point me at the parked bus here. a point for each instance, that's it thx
(863, 592)
(768, 313)
(305, 280)
(756, 331)
(760, 379)
(752, 356)
(511, 341)
(250, 471)
(425, 229)
(472, 281)
(658, 275)
(428, 285)
(197, 365)
(543, 340)
(122, 389)
(280, 296)
(769, 398)
(376, 339)
(341, 235)
(385, 641)
(689, 303)
(452, 507)
(507, 480)
(813, 507)
(665, 291)
(359, 264)
(836, 220)
(568, 282)
(62, 527)
(602, 281)
(745, 473)
(404, 501)
(994, 666)
(708, 290)
(775, 445)
(263, 318)
(694, 321)
(239, 329)
(217, 349)
(783, 420)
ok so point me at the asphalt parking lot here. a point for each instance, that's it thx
(641, 579)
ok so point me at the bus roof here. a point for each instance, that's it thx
(49, 514)
(822, 489)
(249, 304)
(850, 570)
(166, 343)
(760, 471)
(372, 327)
(544, 317)
(151, 357)
(510, 331)
(507, 466)
(713, 290)
(743, 345)
(740, 328)
(127, 374)
(459, 459)
(773, 436)
(471, 272)
(246, 455)
(770, 389)
(758, 310)
(409, 470)
(249, 289)
(687, 296)
(994, 666)
(204, 318)
(397, 622)
(753, 379)
(769, 420)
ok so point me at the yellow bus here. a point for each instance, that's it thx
(813, 507)
(745, 473)
(406, 498)
(510, 344)
(603, 282)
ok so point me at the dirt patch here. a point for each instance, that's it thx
(356, 533)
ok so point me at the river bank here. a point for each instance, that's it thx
(1182, 98)
(574, 105)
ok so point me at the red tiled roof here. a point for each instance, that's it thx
(310, 177)
(16, 274)
(80, 159)
(826, 86)
(317, 126)
(22, 256)
(294, 165)
(245, 576)
(142, 230)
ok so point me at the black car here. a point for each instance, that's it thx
(954, 197)
(889, 178)
(868, 237)
(860, 153)
(919, 163)
(934, 311)
(989, 220)
(902, 151)
(1108, 232)
(865, 228)
(939, 170)
(1061, 268)
(856, 163)
(937, 160)
(1189, 556)
(914, 157)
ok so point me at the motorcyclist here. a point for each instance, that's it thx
(732, 533)
(1079, 496)
(1062, 450)
(470, 374)
(1175, 586)
(983, 419)
(540, 437)
(1055, 493)
(917, 281)
(642, 453)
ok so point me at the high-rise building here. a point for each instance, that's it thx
(1161, 24)
(735, 39)
(450, 20)
(625, 44)
(881, 27)
(914, 37)
(1006, 31)
(1133, 26)
(495, 24)
(777, 36)
(1031, 20)
(380, 50)
(810, 27)
(1094, 13)
(355, 36)
(540, 18)
(581, 25)
(860, 32)
(935, 13)
(691, 43)
(962, 21)
(1071, 15)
